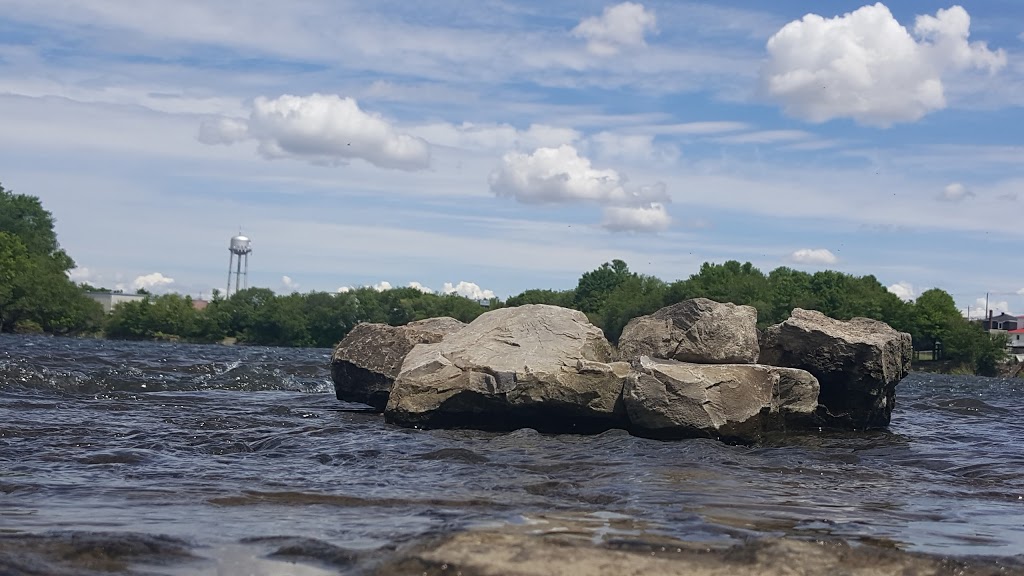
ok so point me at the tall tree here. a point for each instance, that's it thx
(35, 292)
(595, 286)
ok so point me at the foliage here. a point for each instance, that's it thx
(595, 286)
(564, 298)
(34, 287)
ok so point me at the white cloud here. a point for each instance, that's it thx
(472, 136)
(905, 290)
(765, 137)
(152, 282)
(631, 147)
(420, 287)
(865, 65)
(467, 289)
(997, 308)
(650, 218)
(955, 192)
(382, 286)
(79, 275)
(551, 175)
(345, 289)
(321, 128)
(289, 284)
(620, 26)
(813, 256)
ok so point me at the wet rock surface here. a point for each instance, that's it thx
(858, 364)
(568, 552)
(366, 362)
(666, 399)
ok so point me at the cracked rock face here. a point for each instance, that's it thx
(366, 362)
(535, 366)
(858, 363)
(667, 399)
(699, 330)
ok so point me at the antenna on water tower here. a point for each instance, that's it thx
(241, 248)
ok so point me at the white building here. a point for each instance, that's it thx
(111, 299)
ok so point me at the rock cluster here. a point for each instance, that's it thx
(688, 370)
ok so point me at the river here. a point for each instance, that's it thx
(183, 459)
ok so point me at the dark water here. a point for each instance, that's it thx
(177, 459)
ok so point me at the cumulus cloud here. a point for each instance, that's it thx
(79, 274)
(289, 284)
(650, 218)
(813, 256)
(323, 129)
(621, 26)
(955, 192)
(867, 66)
(905, 290)
(552, 175)
(997, 308)
(345, 289)
(152, 282)
(420, 287)
(382, 286)
(467, 289)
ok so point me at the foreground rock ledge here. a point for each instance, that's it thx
(858, 364)
(366, 362)
(534, 366)
(561, 554)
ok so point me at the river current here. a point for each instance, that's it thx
(182, 459)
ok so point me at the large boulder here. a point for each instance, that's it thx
(668, 399)
(534, 366)
(366, 362)
(858, 364)
(698, 330)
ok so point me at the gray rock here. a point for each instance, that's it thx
(667, 399)
(698, 330)
(858, 364)
(534, 366)
(555, 547)
(366, 362)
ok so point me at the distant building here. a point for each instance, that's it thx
(200, 304)
(1015, 341)
(1002, 322)
(111, 299)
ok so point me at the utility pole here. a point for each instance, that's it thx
(986, 305)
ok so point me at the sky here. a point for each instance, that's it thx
(490, 147)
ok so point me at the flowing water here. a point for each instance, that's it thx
(182, 459)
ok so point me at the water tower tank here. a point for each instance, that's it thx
(240, 245)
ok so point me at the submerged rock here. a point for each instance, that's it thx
(697, 330)
(667, 399)
(579, 553)
(365, 364)
(534, 366)
(857, 363)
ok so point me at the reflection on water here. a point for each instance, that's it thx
(244, 455)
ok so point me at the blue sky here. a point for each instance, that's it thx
(515, 145)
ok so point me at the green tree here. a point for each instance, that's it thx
(729, 282)
(34, 287)
(936, 314)
(595, 286)
(563, 298)
(637, 295)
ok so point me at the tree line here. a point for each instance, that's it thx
(37, 296)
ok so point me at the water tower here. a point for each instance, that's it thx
(240, 248)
